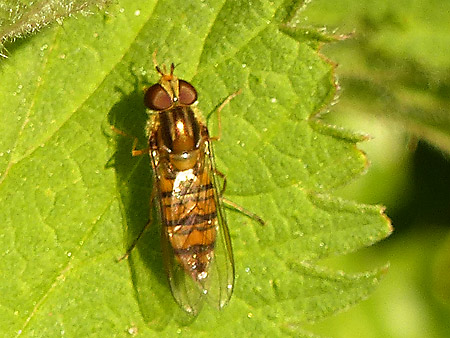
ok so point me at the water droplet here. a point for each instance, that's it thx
(133, 331)
(137, 12)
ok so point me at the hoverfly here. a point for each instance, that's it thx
(196, 244)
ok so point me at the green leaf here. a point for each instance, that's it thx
(396, 65)
(73, 200)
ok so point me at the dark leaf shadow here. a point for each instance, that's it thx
(134, 185)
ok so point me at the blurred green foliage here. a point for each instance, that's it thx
(394, 71)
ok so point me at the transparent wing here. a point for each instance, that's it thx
(201, 227)
(187, 292)
(220, 282)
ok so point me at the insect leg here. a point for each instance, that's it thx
(219, 109)
(224, 177)
(134, 151)
(246, 212)
(132, 246)
(127, 254)
(234, 205)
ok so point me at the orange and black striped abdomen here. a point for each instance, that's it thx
(190, 216)
(187, 194)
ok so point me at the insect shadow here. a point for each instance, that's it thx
(134, 182)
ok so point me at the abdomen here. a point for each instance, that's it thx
(189, 216)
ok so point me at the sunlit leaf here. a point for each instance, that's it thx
(73, 199)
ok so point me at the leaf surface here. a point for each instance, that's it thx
(73, 199)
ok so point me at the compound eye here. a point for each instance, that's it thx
(187, 94)
(156, 98)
